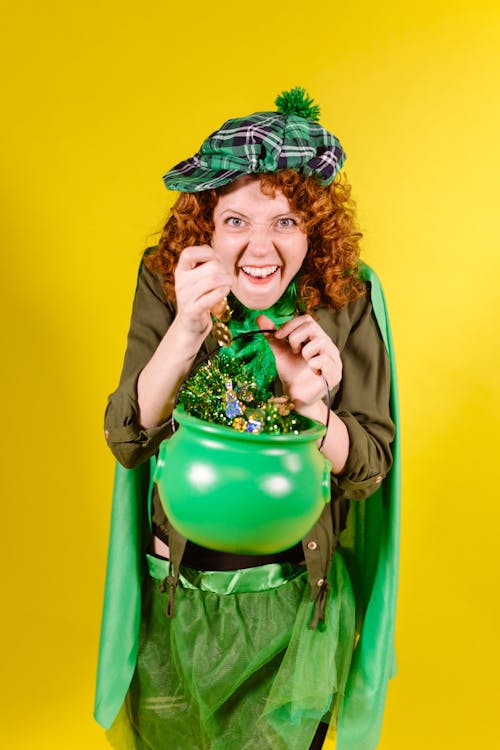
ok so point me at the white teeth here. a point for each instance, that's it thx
(260, 273)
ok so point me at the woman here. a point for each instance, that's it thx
(256, 651)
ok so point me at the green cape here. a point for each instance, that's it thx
(370, 544)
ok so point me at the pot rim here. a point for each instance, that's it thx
(314, 432)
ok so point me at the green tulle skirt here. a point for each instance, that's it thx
(238, 666)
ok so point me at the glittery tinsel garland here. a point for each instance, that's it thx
(224, 392)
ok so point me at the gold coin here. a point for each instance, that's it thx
(222, 333)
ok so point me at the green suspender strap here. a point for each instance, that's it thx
(369, 544)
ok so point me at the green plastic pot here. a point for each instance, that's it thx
(238, 492)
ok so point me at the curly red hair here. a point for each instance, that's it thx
(329, 272)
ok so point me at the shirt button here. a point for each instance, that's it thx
(320, 583)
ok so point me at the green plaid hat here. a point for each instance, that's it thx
(290, 138)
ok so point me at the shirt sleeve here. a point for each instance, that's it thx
(361, 400)
(131, 443)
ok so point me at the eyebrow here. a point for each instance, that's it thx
(233, 211)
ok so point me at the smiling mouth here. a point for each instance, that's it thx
(259, 273)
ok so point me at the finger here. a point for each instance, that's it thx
(192, 256)
(265, 323)
(300, 331)
(212, 299)
(198, 293)
(307, 332)
(329, 369)
(199, 310)
(277, 347)
(206, 276)
(311, 349)
(295, 323)
(319, 366)
(320, 345)
(300, 337)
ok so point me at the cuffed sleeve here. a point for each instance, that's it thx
(131, 443)
(361, 400)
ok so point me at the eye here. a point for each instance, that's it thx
(234, 221)
(287, 223)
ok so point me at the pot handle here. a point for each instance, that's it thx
(160, 461)
(326, 481)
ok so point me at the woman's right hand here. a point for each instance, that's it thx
(200, 283)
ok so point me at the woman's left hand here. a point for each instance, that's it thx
(303, 353)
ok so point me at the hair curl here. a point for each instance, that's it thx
(327, 213)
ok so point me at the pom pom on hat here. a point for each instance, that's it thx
(297, 102)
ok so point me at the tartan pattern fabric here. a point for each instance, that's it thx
(261, 142)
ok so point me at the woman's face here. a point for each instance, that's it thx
(257, 239)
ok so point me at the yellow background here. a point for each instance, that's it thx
(98, 101)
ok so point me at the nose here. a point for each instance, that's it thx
(260, 239)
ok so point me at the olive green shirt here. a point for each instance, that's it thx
(361, 400)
